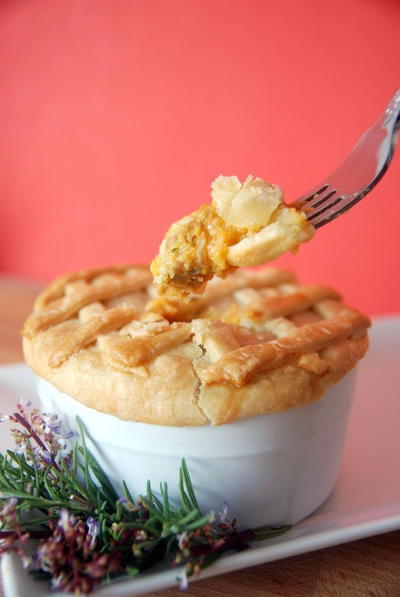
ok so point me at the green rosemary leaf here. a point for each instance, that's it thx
(7, 478)
(188, 518)
(170, 548)
(108, 490)
(37, 482)
(75, 458)
(132, 571)
(21, 462)
(149, 499)
(35, 502)
(6, 495)
(52, 492)
(188, 484)
(270, 532)
(90, 487)
(145, 545)
(127, 493)
(200, 522)
(165, 500)
(103, 507)
(36, 522)
(135, 525)
(73, 482)
(103, 528)
(153, 522)
(184, 498)
(5, 483)
(152, 500)
(119, 510)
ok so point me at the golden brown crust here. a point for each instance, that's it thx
(82, 292)
(57, 287)
(87, 333)
(287, 387)
(244, 363)
(123, 351)
(163, 392)
(254, 343)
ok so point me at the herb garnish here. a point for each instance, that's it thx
(52, 489)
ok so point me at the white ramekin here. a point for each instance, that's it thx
(271, 469)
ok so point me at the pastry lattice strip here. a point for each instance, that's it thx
(242, 364)
(284, 305)
(87, 333)
(56, 289)
(125, 352)
(106, 286)
(281, 327)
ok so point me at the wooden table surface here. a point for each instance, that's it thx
(366, 568)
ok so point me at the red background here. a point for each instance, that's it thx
(117, 115)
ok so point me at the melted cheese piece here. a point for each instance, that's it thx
(246, 224)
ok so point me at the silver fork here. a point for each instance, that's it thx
(361, 170)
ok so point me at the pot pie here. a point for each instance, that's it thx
(246, 224)
(253, 343)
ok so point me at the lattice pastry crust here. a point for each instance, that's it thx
(253, 343)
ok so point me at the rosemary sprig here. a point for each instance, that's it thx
(55, 491)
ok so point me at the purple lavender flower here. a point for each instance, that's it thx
(42, 455)
(93, 528)
(224, 512)
(41, 438)
(182, 540)
(128, 505)
(53, 425)
(8, 511)
(70, 558)
(66, 521)
(23, 403)
(12, 538)
(183, 580)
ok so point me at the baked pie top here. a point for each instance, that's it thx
(253, 343)
(246, 224)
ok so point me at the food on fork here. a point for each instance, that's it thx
(246, 224)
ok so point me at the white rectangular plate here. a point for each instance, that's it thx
(366, 499)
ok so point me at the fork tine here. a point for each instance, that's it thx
(332, 210)
(320, 200)
(307, 200)
(314, 194)
(310, 204)
(329, 201)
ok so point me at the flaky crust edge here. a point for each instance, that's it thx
(168, 391)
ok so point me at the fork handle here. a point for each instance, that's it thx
(392, 119)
